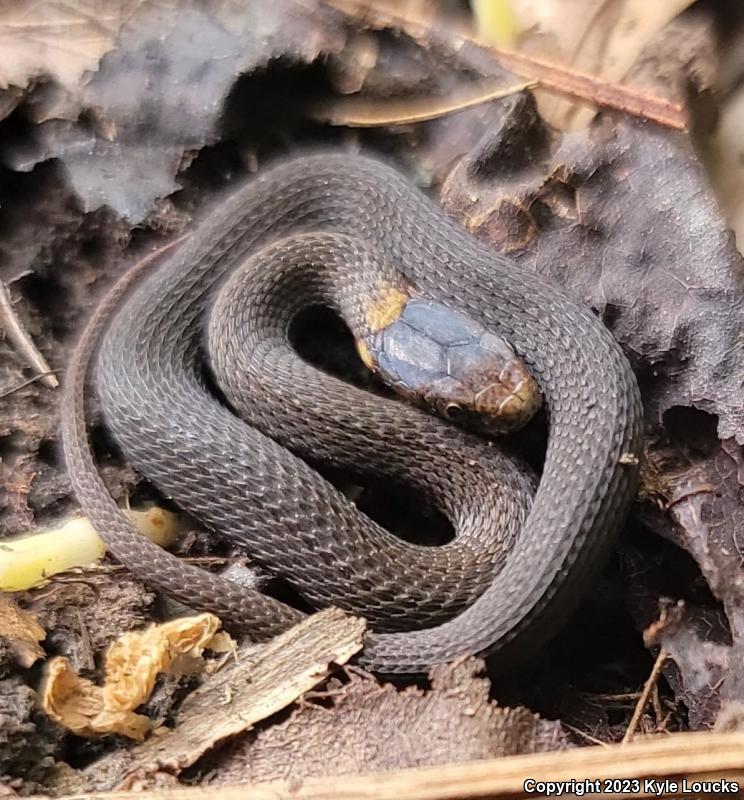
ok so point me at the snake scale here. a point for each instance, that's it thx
(513, 571)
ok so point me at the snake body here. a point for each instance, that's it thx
(512, 573)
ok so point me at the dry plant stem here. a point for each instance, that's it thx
(617, 698)
(584, 735)
(714, 756)
(363, 112)
(645, 695)
(556, 78)
(595, 90)
(23, 342)
(658, 712)
(23, 384)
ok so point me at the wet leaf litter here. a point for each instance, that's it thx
(617, 208)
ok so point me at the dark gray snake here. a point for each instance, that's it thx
(512, 573)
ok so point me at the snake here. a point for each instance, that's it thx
(204, 393)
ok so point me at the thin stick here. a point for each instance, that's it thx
(585, 735)
(26, 383)
(23, 342)
(645, 694)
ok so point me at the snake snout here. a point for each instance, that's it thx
(449, 363)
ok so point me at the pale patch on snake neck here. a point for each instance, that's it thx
(386, 307)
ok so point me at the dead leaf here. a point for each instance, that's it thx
(366, 727)
(696, 482)
(78, 704)
(57, 40)
(459, 45)
(364, 112)
(132, 664)
(727, 163)
(21, 631)
(623, 217)
(692, 484)
(700, 663)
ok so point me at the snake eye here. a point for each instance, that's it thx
(452, 410)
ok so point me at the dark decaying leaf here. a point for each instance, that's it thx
(85, 613)
(693, 631)
(623, 217)
(367, 727)
(145, 84)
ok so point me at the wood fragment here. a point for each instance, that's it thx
(552, 77)
(699, 756)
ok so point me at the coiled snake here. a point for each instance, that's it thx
(341, 230)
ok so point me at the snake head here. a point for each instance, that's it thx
(444, 361)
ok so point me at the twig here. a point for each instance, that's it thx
(23, 342)
(595, 90)
(585, 735)
(656, 703)
(645, 694)
(615, 698)
(23, 384)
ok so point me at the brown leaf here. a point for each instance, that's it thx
(623, 218)
(57, 39)
(696, 482)
(693, 483)
(263, 680)
(21, 631)
(594, 36)
(132, 664)
(727, 161)
(371, 727)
